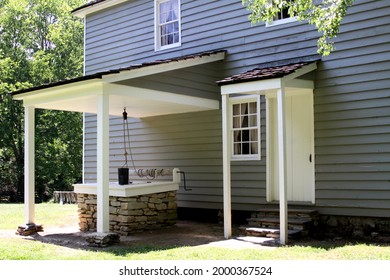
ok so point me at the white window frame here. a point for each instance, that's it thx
(276, 22)
(157, 32)
(241, 100)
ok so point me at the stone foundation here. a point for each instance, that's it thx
(130, 214)
(366, 228)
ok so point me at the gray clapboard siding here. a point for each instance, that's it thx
(207, 25)
(352, 124)
(191, 142)
(352, 105)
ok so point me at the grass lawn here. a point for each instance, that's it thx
(20, 248)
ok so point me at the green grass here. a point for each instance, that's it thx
(49, 214)
(26, 248)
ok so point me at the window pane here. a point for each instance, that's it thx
(254, 135)
(244, 108)
(245, 148)
(176, 37)
(236, 109)
(253, 120)
(245, 135)
(237, 136)
(236, 122)
(237, 149)
(244, 121)
(253, 108)
(254, 148)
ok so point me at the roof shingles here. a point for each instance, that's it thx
(99, 75)
(263, 73)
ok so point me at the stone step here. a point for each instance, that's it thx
(274, 222)
(269, 232)
(274, 212)
(265, 222)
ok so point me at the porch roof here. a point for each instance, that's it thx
(80, 94)
(263, 73)
(287, 69)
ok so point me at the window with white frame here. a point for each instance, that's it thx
(283, 16)
(245, 113)
(167, 21)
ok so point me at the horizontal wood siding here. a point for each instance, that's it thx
(352, 104)
(352, 116)
(124, 35)
(191, 142)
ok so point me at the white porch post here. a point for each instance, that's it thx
(226, 150)
(282, 166)
(29, 164)
(103, 163)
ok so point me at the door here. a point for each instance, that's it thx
(299, 148)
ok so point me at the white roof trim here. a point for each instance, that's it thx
(163, 67)
(140, 102)
(97, 7)
(265, 85)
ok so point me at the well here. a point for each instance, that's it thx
(130, 214)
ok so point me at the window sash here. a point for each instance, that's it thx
(167, 23)
(245, 115)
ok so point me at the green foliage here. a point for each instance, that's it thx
(326, 15)
(40, 42)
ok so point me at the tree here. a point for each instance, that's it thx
(326, 15)
(40, 42)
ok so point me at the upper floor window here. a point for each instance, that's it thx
(246, 128)
(167, 18)
(283, 16)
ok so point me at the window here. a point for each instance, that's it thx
(246, 128)
(282, 17)
(167, 16)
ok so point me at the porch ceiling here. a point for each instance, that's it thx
(81, 94)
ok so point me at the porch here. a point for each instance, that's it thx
(145, 90)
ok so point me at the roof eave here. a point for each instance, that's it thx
(94, 7)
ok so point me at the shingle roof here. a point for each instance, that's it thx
(263, 73)
(99, 75)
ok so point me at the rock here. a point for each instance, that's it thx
(332, 222)
(28, 229)
(103, 239)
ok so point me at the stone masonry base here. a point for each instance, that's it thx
(366, 228)
(130, 214)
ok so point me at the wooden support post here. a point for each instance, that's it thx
(282, 166)
(103, 119)
(226, 150)
(29, 164)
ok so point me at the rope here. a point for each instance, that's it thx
(126, 144)
(150, 174)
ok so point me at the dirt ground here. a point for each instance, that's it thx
(184, 233)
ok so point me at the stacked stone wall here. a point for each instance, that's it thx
(367, 228)
(130, 214)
